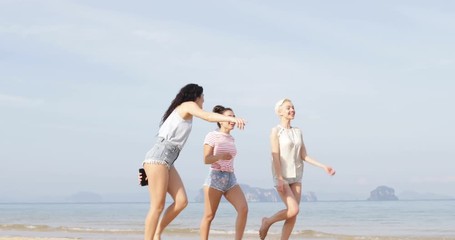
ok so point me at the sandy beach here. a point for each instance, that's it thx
(173, 237)
(32, 238)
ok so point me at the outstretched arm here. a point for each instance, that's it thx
(329, 170)
(191, 108)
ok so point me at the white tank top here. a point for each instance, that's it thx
(290, 144)
(176, 129)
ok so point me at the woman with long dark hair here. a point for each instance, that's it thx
(162, 176)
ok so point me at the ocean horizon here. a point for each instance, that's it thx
(424, 219)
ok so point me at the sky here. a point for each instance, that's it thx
(84, 84)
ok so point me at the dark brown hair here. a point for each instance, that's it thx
(189, 92)
(220, 109)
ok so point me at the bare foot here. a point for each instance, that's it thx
(264, 229)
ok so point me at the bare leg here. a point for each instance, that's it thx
(177, 191)
(289, 223)
(212, 199)
(236, 197)
(157, 191)
(292, 209)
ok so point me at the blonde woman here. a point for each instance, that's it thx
(288, 157)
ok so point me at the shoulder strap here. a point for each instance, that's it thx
(280, 130)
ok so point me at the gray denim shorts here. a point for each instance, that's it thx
(221, 181)
(288, 180)
(162, 152)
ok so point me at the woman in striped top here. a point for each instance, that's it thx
(219, 152)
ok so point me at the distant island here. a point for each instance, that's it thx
(383, 193)
(255, 194)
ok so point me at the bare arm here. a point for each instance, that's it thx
(209, 158)
(275, 145)
(303, 153)
(191, 108)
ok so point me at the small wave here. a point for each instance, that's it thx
(46, 228)
(222, 232)
(24, 227)
(182, 230)
(99, 230)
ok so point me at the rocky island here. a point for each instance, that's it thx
(383, 193)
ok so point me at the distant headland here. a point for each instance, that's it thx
(380, 193)
(255, 194)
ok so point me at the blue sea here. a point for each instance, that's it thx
(316, 220)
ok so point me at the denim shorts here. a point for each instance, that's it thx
(221, 181)
(162, 152)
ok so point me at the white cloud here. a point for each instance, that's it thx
(19, 101)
